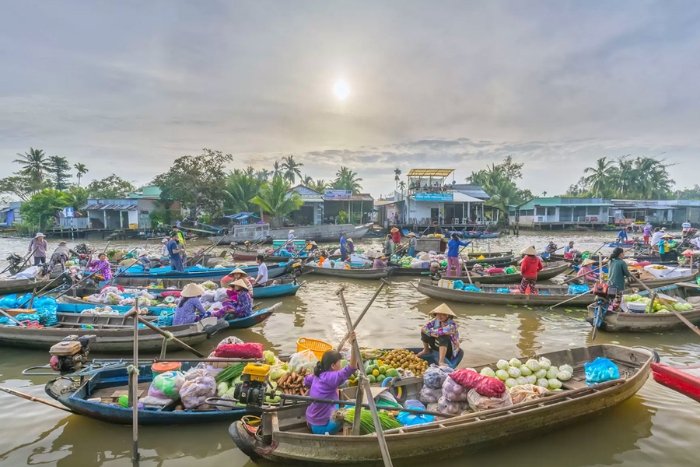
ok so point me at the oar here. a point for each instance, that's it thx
(75, 285)
(39, 294)
(31, 253)
(569, 299)
(466, 267)
(167, 335)
(383, 282)
(670, 307)
(32, 398)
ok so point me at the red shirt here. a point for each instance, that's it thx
(396, 237)
(530, 266)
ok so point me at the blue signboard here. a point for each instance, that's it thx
(337, 194)
(68, 212)
(433, 197)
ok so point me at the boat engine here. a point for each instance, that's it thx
(70, 354)
(251, 391)
(15, 262)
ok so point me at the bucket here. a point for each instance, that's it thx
(316, 346)
(164, 367)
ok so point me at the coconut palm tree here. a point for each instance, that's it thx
(275, 199)
(397, 175)
(291, 168)
(80, 170)
(346, 179)
(276, 169)
(35, 165)
(263, 175)
(402, 185)
(307, 180)
(318, 186)
(242, 187)
(601, 176)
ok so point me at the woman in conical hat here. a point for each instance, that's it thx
(529, 268)
(243, 305)
(186, 311)
(586, 270)
(441, 335)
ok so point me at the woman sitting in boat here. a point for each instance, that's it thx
(189, 305)
(101, 268)
(324, 384)
(311, 246)
(618, 271)
(241, 298)
(379, 263)
(569, 251)
(550, 248)
(529, 268)
(441, 335)
(235, 275)
(586, 271)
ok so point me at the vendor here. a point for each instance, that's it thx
(435, 230)
(261, 278)
(622, 236)
(243, 306)
(189, 305)
(618, 271)
(395, 237)
(379, 263)
(667, 248)
(164, 253)
(60, 255)
(569, 251)
(38, 247)
(412, 244)
(235, 275)
(175, 251)
(311, 246)
(453, 255)
(343, 247)
(550, 248)
(351, 246)
(145, 260)
(586, 271)
(328, 376)
(440, 334)
(388, 246)
(101, 268)
(529, 268)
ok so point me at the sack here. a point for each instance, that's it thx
(453, 408)
(511, 270)
(166, 386)
(248, 350)
(9, 301)
(198, 387)
(477, 402)
(304, 359)
(526, 392)
(453, 391)
(600, 370)
(434, 377)
(429, 396)
(575, 289)
(485, 385)
(409, 419)
(231, 340)
(495, 271)
(472, 288)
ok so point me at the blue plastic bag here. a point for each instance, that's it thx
(600, 370)
(472, 288)
(503, 290)
(9, 301)
(577, 289)
(459, 285)
(408, 419)
(166, 317)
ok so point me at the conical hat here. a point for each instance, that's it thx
(529, 251)
(240, 283)
(192, 290)
(587, 262)
(394, 230)
(411, 234)
(443, 310)
(237, 271)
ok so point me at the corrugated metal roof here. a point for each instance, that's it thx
(109, 207)
(430, 172)
(360, 197)
(566, 202)
(471, 190)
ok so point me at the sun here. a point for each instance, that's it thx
(341, 90)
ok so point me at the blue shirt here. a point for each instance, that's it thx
(172, 246)
(622, 235)
(453, 247)
(343, 245)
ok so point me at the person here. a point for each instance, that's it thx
(243, 305)
(38, 247)
(529, 268)
(413, 244)
(656, 238)
(290, 235)
(145, 260)
(178, 235)
(686, 225)
(101, 268)
(189, 305)
(60, 256)
(311, 246)
(351, 246)
(261, 279)
(586, 271)
(174, 251)
(379, 262)
(453, 255)
(435, 229)
(327, 377)
(550, 248)
(695, 243)
(235, 275)
(388, 246)
(164, 253)
(617, 272)
(343, 247)
(440, 218)
(622, 236)
(647, 233)
(440, 334)
(667, 248)
(569, 251)
(395, 237)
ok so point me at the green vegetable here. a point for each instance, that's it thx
(221, 389)
(533, 365)
(230, 373)
(486, 371)
(367, 424)
(269, 357)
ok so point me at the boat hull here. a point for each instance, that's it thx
(318, 233)
(685, 380)
(549, 272)
(11, 286)
(362, 274)
(176, 279)
(643, 322)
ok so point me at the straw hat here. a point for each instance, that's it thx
(38, 234)
(394, 229)
(668, 236)
(165, 240)
(239, 283)
(237, 271)
(192, 290)
(62, 244)
(291, 231)
(312, 243)
(587, 262)
(443, 310)
(529, 251)
(411, 234)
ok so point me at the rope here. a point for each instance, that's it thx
(131, 369)
(169, 336)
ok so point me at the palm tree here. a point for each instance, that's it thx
(275, 199)
(263, 175)
(307, 180)
(397, 175)
(242, 187)
(504, 193)
(318, 186)
(276, 169)
(291, 168)
(402, 185)
(601, 176)
(34, 165)
(346, 179)
(80, 169)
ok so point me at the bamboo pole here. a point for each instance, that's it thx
(569, 299)
(382, 283)
(134, 399)
(167, 335)
(32, 398)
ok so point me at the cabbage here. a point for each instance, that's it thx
(486, 371)
(532, 379)
(541, 373)
(502, 365)
(525, 371)
(533, 365)
(551, 373)
(545, 363)
(521, 380)
(554, 384)
(568, 368)
(510, 382)
(502, 375)
(515, 362)
(221, 389)
(563, 376)
(544, 382)
(269, 357)
(513, 372)
(276, 374)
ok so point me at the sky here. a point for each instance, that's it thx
(127, 87)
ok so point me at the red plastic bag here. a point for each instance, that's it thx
(495, 271)
(247, 350)
(172, 293)
(484, 385)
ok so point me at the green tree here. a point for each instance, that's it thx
(34, 165)
(397, 176)
(242, 187)
(346, 179)
(498, 181)
(402, 185)
(263, 175)
(601, 178)
(275, 199)
(78, 196)
(112, 187)
(319, 185)
(198, 182)
(688, 193)
(17, 185)
(307, 180)
(580, 189)
(44, 206)
(276, 169)
(291, 169)
(80, 170)
(60, 170)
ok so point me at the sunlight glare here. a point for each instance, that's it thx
(341, 90)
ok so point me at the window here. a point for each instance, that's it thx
(592, 210)
(527, 212)
(540, 211)
(551, 211)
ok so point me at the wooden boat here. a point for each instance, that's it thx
(179, 280)
(107, 385)
(194, 272)
(656, 283)
(495, 261)
(287, 287)
(364, 273)
(284, 437)
(683, 379)
(550, 271)
(256, 318)
(10, 286)
(547, 295)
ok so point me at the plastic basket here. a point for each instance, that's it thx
(316, 346)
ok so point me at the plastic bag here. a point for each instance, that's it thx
(409, 419)
(453, 391)
(429, 396)
(472, 288)
(197, 389)
(304, 359)
(248, 350)
(435, 376)
(166, 386)
(485, 385)
(477, 402)
(166, 317)
(600, 370)
(231, 340)
(576, 289)
(220, 295)
(526, 392)
(8, 301)
(453, 408)
(207, 296)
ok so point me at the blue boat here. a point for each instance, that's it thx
(107, 385)
(250, 321)
(278, 290)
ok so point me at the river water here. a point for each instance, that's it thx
(656, 427)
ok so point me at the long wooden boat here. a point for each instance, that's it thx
(349, 273)
(284, 437)
(10, 286)
(194, 271)
(501, 261)
(550, 271)
(683, 379)
(81, 397)
(547, 295)
(179, 280)
(656, 283)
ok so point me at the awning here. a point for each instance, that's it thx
(109, 207)
(430, 172)
(458, 197)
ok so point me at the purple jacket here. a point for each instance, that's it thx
(324, 387)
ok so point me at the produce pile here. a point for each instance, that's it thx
(402, 359)
(658, 306)
(536, 372)
(293, 382)
(367, 424)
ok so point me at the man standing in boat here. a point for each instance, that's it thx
(174, 252)
(38, 247)
(343, 247)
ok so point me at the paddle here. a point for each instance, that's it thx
(382, 283)
(167, 335)
(670, 307)
(32, 398)
(74, 285)
(364, 406)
